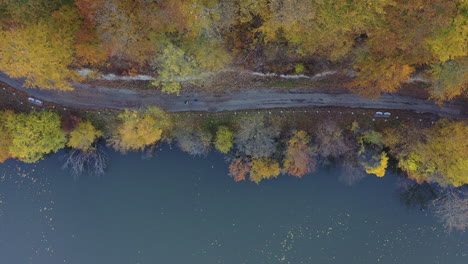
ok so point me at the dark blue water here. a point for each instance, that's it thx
(178, 209)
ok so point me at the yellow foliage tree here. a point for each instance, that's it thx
(41, 52)
(449, 79)
(440, 155)
(35, 134)
(83, 136)
(380, 166)
(447, 150)
(139, 129)
(264, 168)
(451, 41)
(324, 27)
(224, 139)
(6, 137)
(175, 67)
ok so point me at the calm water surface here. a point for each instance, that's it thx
(178, 209)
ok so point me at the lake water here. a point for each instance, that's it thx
(178, 209)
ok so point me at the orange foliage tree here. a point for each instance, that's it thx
(89, 49)
(239, 168)
(393, 52)
(299, 158)
(377, 76)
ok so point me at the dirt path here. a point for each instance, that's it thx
(97, 97)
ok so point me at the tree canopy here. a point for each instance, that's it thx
(84, 136)
(35, 134)
(224, 139)
(139, 129)
(299, 159)
(41, 52)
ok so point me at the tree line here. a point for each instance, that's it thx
(179, 41)
(258, 146)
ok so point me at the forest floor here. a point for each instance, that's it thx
(92, 97)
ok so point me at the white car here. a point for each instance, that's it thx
(35, 101)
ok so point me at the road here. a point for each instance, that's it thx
(98, 97)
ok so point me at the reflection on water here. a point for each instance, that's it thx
(176, 209)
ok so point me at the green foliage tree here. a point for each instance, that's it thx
(84, 136)
(35, 134)
(224, 139)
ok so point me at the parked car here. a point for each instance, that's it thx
(35, 101)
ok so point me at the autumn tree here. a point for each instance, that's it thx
(28, 11)
(449, 79)
(257, 136)
(299, 159)
(41, 52)
(89, 50)
(84, 136)
(70, 120)
(6, 136)
(175, 67)
(224, 139)
(122, 27)
(264, 168)
(139, 129)
(194, 141)
(377, 164)
(239, 168)
(35, 134)
(330, 141)
(449, 41)
(5, 142)
(375, 76)
(371, 155)
(208, 22)
(393, 52)
(318, 27)
(438, 154)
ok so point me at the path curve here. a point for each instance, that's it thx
(98, 97)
